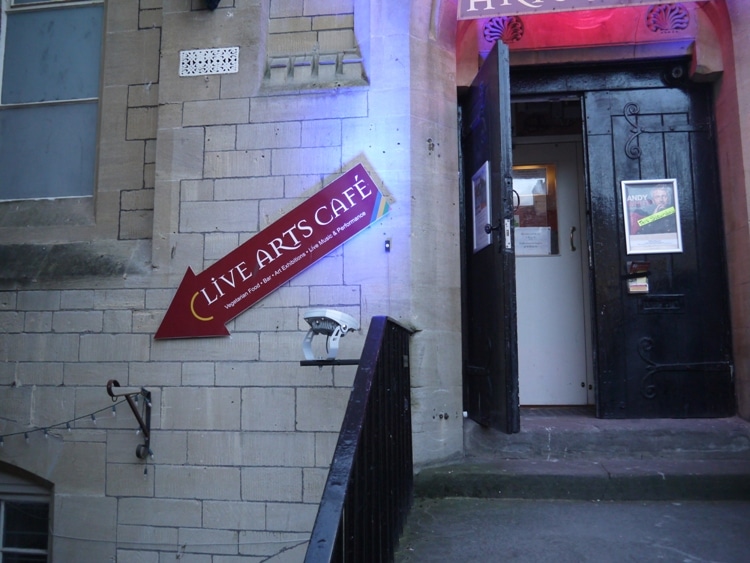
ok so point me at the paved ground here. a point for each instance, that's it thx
(467, 530)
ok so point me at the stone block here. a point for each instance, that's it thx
(114, 347)
(249, 188)
(221, 137)
(230, 515)
(134, 57)
(233, 164)
(37, 321)
(268, 135)
(289, 25)
(149, 18)
(279, 547)
(334, 296)
(274, 484)
(155, 374)
(268, 318)
(89, 522)
(216, 112)
(219, 245)
(302, 186)
(11, 321)
(219, 216)
(315, 160)
(178, 89)
(334, 41)
(217, 483)
(321, 409)
(286, 8)
(268, 408)
(280, 44)
(136, 225)
(201, 540)
(198, 374)
(141, 123)
(119, 298)
(117, 321)
(314, 482)
(137, 199)
(38, 301)
(288, 373)
(339, 21)
(77, 321)
(290, 517)
(179, 154)
(120, 165)
(169, 447)
(281, 346)
(151, 4)
(80, 470)
(197, 190)
(215, 448)
(141, 555)
(39, 347)
(286, 297)
(278, 449)
(324, 7)
(321, 133)
(123, 16)
(188, 408)
(8, 300)
(325, 445)
(145, 537)
(324, 105)
(327, 271)
(39, 373)
(77, 299)
(150, 152)
(149, 176)
(95, 373)
(159, 512)
(147, 321)
(129, 480)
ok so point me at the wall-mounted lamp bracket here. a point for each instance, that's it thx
(142, 451)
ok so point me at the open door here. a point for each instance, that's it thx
(490, 345)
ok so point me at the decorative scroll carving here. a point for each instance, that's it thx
(631, 111)
(648, 385)
(508, 29)
(667, 17)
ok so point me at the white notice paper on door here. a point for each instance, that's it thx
(533, 241)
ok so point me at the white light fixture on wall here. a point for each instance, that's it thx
(333, 324)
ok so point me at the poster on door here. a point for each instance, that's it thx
(652, 216)
(480, 196)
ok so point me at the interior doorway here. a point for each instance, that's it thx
(552, 255)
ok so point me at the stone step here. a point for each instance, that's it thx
(589, 438)
(617, 479)
(569, 454)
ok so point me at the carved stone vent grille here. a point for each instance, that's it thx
(508, 29)
(201, 62)
(666, 18)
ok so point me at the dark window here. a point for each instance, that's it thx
(49, 98)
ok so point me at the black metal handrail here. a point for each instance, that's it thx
(370, 484)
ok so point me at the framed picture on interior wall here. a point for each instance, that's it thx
(652, 216)
(480, 199)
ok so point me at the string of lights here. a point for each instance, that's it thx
(67, 425)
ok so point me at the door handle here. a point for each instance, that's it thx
(572, 244)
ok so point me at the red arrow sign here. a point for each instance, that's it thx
(204, 303)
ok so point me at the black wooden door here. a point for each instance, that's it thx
(490, 350)
(665, 353)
